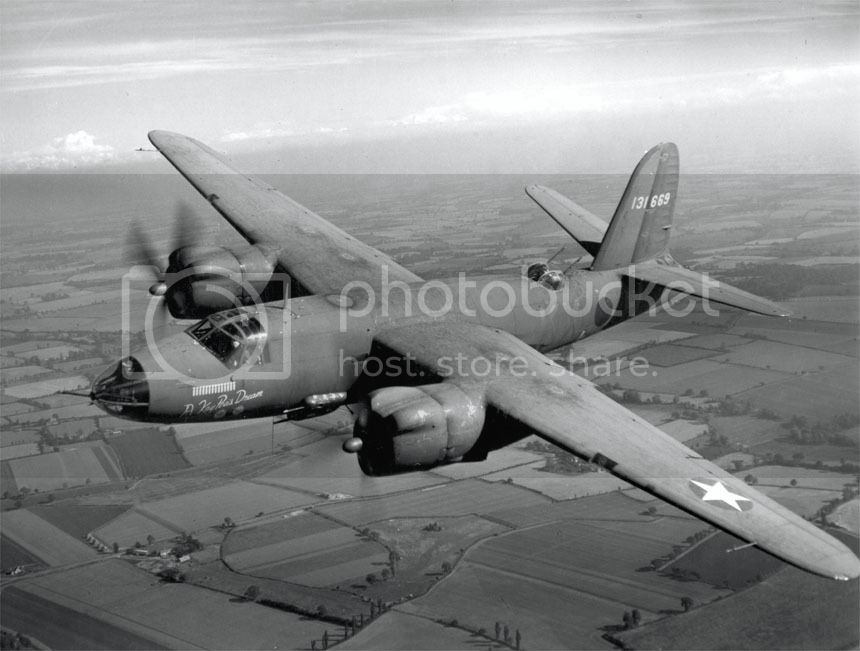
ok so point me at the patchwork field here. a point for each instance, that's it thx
(306, 549)
(398, 630)
(209, 507)
(715, 341)
(823, 616)
(178, 615)
(672, 354)
(144, 452)
(509, 459)
(584, 577)
(324, 469)
(703, 375)
(816, 396)
(827, 454)
(46, 387)
(843, 309)
(73, 466)
(747, 430)
(77, 520)
(560, 487)
(12, 555)
(460, 498)
(134, 526)
(782, 357)
(61, 627)
(44, 540)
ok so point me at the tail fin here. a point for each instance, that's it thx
(640, 227)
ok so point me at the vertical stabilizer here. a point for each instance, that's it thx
(641, 225)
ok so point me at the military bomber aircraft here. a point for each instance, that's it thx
(437, 371)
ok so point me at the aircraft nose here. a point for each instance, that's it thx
(122, 390)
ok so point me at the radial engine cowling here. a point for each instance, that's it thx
(410, 428)
(206, 279)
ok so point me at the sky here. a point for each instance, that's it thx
(546, 86)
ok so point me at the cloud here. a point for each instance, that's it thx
(76, 149)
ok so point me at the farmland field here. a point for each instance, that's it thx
(134, 526)
(823, 616)
(322, 468)
(671, 354)
(710, 560)
(13, 555)
(398, 630)
(182, 615)
(147, 452)
(208, 508)
(714, 341)
(747, 430)
(60, 627)
(781, 357)
(77, 520)
(828, 454)
(243, 438)
(557, 486)
(46, 387)
(806, 477)
(336, 560)
(717, 379)
(600, 560)
(510, 458)
(816, 396)
(839, 309)
(460, 498)
(285, 529)
(606, 507)
(43, 539)
(548, 615)
(73, 466)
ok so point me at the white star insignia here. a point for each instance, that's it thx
(719, 493)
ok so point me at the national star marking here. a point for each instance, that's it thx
(719, 493)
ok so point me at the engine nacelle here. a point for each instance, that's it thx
(206, 279)
(411, 428)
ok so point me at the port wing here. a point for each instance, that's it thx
(319, 255)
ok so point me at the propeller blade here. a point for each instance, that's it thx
(140, 249)
(186, 227)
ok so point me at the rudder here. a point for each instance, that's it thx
(641, 225)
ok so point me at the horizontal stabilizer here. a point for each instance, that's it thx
(691, 282)
(583, 226)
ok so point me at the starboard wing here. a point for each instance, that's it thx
(572, 413)
(321, 256)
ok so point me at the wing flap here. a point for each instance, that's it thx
(572, 413)
(692, 282)
(321, 256)
(583, 226)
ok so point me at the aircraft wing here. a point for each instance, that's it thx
(572, 413)
(583, 226)
(319, 255)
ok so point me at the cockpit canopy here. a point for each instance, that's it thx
(233, 336)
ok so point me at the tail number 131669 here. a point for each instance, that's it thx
(650, 202)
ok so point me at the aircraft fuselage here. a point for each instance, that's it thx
(321, 345)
